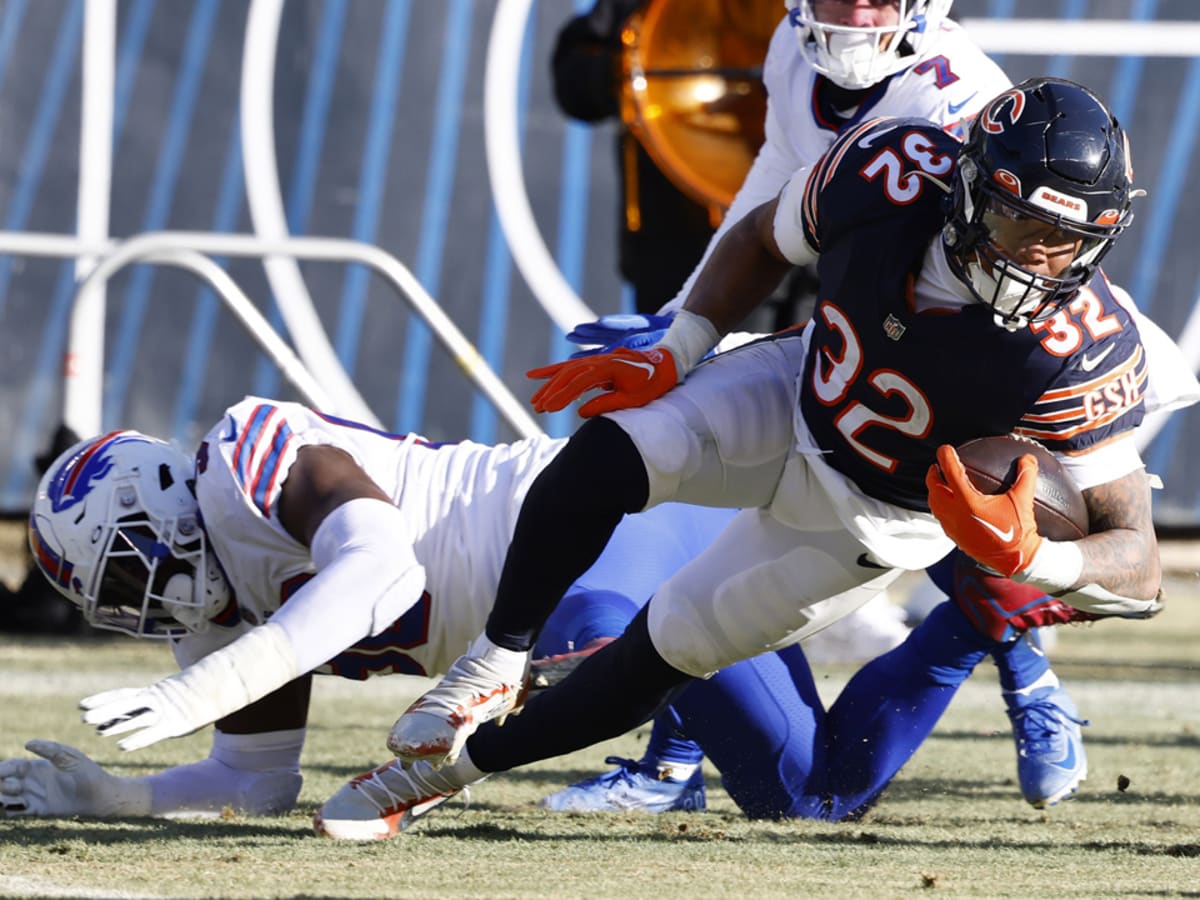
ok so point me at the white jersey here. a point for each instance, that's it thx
(952, 81)
(460, 501)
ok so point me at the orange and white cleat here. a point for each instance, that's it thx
(489, 682)
(386, 801)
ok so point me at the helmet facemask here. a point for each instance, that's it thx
(855, 57)
(155, 579)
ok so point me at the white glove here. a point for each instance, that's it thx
(65, 782)
(213, 687)
(160, 712)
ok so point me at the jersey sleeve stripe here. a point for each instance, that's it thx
(1053, 424)
(1086, 387)
(264, 484)
(243, 452)
(259, 453)
(823, 172)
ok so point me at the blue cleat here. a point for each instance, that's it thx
(631, 786)
(1051, 761)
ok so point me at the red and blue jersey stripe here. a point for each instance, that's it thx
(259, 454)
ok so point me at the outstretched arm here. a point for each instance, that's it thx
(254, 768)
(367, 577)
(744, 268)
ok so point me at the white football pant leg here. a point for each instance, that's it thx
(722, 437)
(762, 585)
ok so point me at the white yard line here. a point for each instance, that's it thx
(24, 886)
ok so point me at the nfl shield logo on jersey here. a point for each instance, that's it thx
(893, 327)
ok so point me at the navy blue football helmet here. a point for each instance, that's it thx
(1046, 150)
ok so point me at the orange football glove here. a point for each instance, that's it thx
(997, 530)
(631, 378)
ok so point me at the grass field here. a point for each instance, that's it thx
(952, 823)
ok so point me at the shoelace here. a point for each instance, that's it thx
(1046, 721)
(627, 769)
(482, 680)
(417, 788)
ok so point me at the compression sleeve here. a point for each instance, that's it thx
(367, 577)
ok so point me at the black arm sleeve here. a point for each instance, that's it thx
(565, 522)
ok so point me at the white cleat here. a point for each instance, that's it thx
(487, 683)
(382, 803)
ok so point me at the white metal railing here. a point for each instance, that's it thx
(190, 250)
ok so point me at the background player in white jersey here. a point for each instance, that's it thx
(831, 65)
(299, 543)
(837, 440)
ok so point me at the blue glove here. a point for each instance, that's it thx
(637, 332)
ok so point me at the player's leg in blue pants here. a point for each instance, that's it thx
(771, 699)
(1051, 760)
(782, 755)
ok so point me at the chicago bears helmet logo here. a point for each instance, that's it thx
(1010, 104)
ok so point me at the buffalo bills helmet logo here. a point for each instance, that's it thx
(77, 476)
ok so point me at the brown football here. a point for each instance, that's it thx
(1058, 505)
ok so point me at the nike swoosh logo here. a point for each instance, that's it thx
(1067, 762)
(1087, 363)
(232, 431)
(641, 365)
(953, 108)
(1005, 536)
(868, 140)
(864, 560)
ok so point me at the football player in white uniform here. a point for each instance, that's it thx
(832, 65)
(295, 543)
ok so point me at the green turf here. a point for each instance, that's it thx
(953, 823)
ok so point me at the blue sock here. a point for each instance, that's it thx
(668, 744)
(1021, 662)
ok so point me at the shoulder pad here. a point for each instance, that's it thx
(875, 170)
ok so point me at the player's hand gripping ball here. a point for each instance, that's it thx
(1058, 505)
(998, 497)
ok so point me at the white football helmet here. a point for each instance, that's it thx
(116, 529)
(858, 57)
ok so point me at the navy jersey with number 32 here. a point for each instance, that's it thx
(889, 378)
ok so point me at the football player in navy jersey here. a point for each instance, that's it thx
(832, 65)
(960, 297)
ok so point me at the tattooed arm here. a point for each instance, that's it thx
(1121, 553)
(1115, 570)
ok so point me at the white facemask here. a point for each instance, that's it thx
(854, 58)
(1009, 296)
